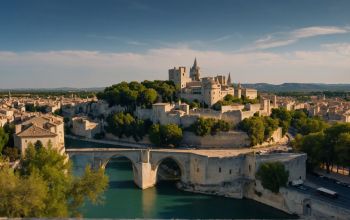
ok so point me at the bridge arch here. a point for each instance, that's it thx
(177, 162)
(135, 170)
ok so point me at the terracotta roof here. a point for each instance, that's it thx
(35, 131)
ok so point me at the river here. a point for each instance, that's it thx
(124, 200)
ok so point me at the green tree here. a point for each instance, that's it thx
(313, 145)
(167, 135)
(272, 175)
(284, 116)
(171, 134)
(342, 150)
(22, 196)
(202, 126)
(154, 134)
(148, 97)
(53, 168)
(12, 153)
(333, 138)
(4, 138)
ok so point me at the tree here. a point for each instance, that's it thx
(272, 175)
(89, 185)
(60, 200)
(202, 126)
(148, 97)
(168, 135)
(12, 153)
(171, 134)
(22, 196)
(329, 146)
(4, 138)
(333, 138)
(154, 134)
(313, 145)
(342, 150)
(284, 117)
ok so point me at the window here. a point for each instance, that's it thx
(230, 171)
(219, 169)
(197, 169)
(250, 168)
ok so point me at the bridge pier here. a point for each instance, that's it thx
(145, 177)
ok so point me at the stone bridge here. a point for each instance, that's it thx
(145, 162)
(225, 172)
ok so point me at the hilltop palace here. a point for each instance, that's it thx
(206, 90)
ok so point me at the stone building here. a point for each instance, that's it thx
(208, 90)
(44, 128)
(83, 127)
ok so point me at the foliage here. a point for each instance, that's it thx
(10, 130)
(165, 135)
(124, 124)
(165, 89)
(4, 138)
(12, 153)
(205, 126)
(138, 94)
(22, 196)
(90, 185)
(230, 99)
(45, 186)
(284, 116)
(272, 175)
(259, 129)
(332, 145)
(34, 108)
(305, 125)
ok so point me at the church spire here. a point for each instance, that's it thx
(194, 71)
(229, 79)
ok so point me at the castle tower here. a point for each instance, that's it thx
(194, 71)
(9, 96)
(238, 91)
(229, 79)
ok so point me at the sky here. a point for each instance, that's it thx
(85, 43)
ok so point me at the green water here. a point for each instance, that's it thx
(124, 200)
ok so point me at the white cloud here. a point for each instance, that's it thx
(94, 68)
(286, 38)
(341, 48)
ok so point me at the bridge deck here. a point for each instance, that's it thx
(206, 152)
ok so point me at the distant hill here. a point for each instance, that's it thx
(62, 89)
(298, 87)
(264, 87)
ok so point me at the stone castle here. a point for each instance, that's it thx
(208, 90)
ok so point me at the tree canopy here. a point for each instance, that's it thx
(165, 135)
(259, 129)
(138, 94)
(205, 126)
(124, 124)
(329, 146)
(4, 138)
(45, 186)
(272, 175)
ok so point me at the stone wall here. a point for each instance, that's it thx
(231, 139)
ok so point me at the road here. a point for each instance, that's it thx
(313, 182)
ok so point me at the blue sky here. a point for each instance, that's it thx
(84, 43)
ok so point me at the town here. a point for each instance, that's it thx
(219, 135)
